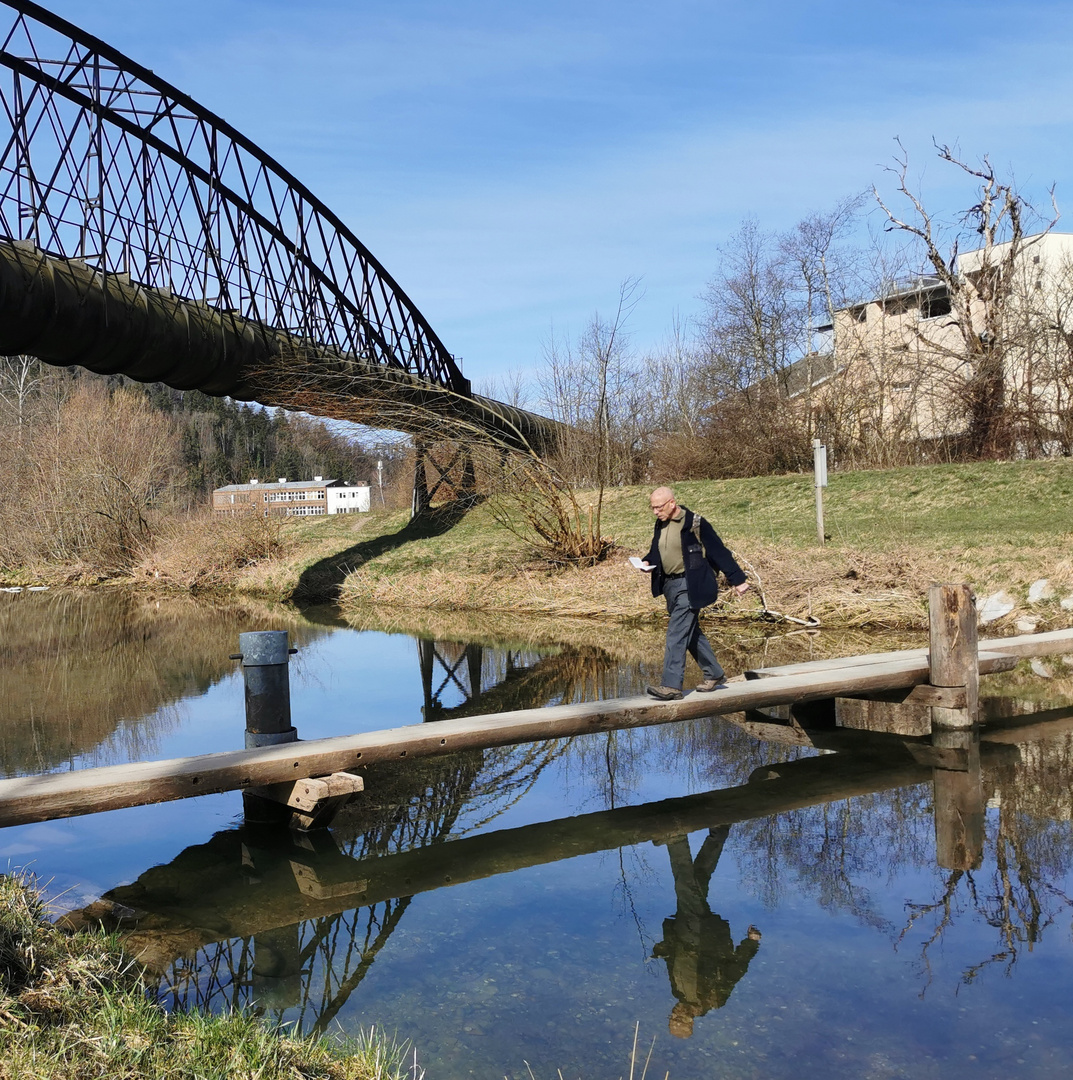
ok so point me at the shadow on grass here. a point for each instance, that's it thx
(323, 580)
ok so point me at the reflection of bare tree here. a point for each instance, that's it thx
(309, 979)
(308, 969)
(838, 851)
(1016, 892)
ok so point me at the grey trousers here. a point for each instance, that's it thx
(685, 635)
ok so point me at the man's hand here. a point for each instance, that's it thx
(742, 588)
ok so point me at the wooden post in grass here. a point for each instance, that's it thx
(953, 656)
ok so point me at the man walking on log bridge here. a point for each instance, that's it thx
(685, 556)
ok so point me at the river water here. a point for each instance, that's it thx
(754, 909)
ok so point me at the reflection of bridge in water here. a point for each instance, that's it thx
(142, 235)
(491, 680)
(296, 923)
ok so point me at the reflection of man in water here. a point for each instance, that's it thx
(702, 961)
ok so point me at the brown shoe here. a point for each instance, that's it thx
(709, 685)
(663, 693)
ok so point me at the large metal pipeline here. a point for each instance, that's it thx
(67, 313)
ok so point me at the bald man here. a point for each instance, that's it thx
(684, 571)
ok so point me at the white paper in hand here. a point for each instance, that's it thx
(640, 564)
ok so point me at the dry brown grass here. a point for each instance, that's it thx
(844, 587)
(208, 551)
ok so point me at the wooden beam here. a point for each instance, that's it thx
(1030, 728)
(1048, 644)
(946, 697)
(884, 745)
(87, 791)
(306, 794)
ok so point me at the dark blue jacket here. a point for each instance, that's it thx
(701, 583)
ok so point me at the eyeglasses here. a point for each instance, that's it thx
(659, 506)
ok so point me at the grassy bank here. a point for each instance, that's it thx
(72, 1007)
(999, 526)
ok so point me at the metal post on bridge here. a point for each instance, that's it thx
(309, 803)
(265, 656)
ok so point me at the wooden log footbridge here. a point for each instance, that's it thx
(313, 778)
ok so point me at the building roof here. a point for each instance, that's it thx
(287, 485)
(811, 370)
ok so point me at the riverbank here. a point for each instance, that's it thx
(71, 1005)
(1001, 526)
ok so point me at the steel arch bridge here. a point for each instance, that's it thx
(141, 234)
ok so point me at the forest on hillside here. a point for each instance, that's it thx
(100, 467)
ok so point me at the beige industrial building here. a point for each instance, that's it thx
(897, 366)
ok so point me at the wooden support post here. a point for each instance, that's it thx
(953, 657)
(312, 802)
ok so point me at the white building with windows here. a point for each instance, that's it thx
(292, 498)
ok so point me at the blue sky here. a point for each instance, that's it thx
(511, 163)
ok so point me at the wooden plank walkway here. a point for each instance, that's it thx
(1048, 644)
(44, 797)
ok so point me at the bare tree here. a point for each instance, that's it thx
(978, 289)
(93, 474)
(826, 274)
(753, 320)
(20, 379)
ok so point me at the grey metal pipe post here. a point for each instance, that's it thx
(264, 655)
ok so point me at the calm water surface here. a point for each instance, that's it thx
(759, 910)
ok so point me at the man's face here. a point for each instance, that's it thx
(664, 507)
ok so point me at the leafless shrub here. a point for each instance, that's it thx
(207, 551)
(461, 453)
(88, 480)
(539, 507)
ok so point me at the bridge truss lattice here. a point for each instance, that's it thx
(104, 163)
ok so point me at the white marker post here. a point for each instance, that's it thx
(819, 467)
